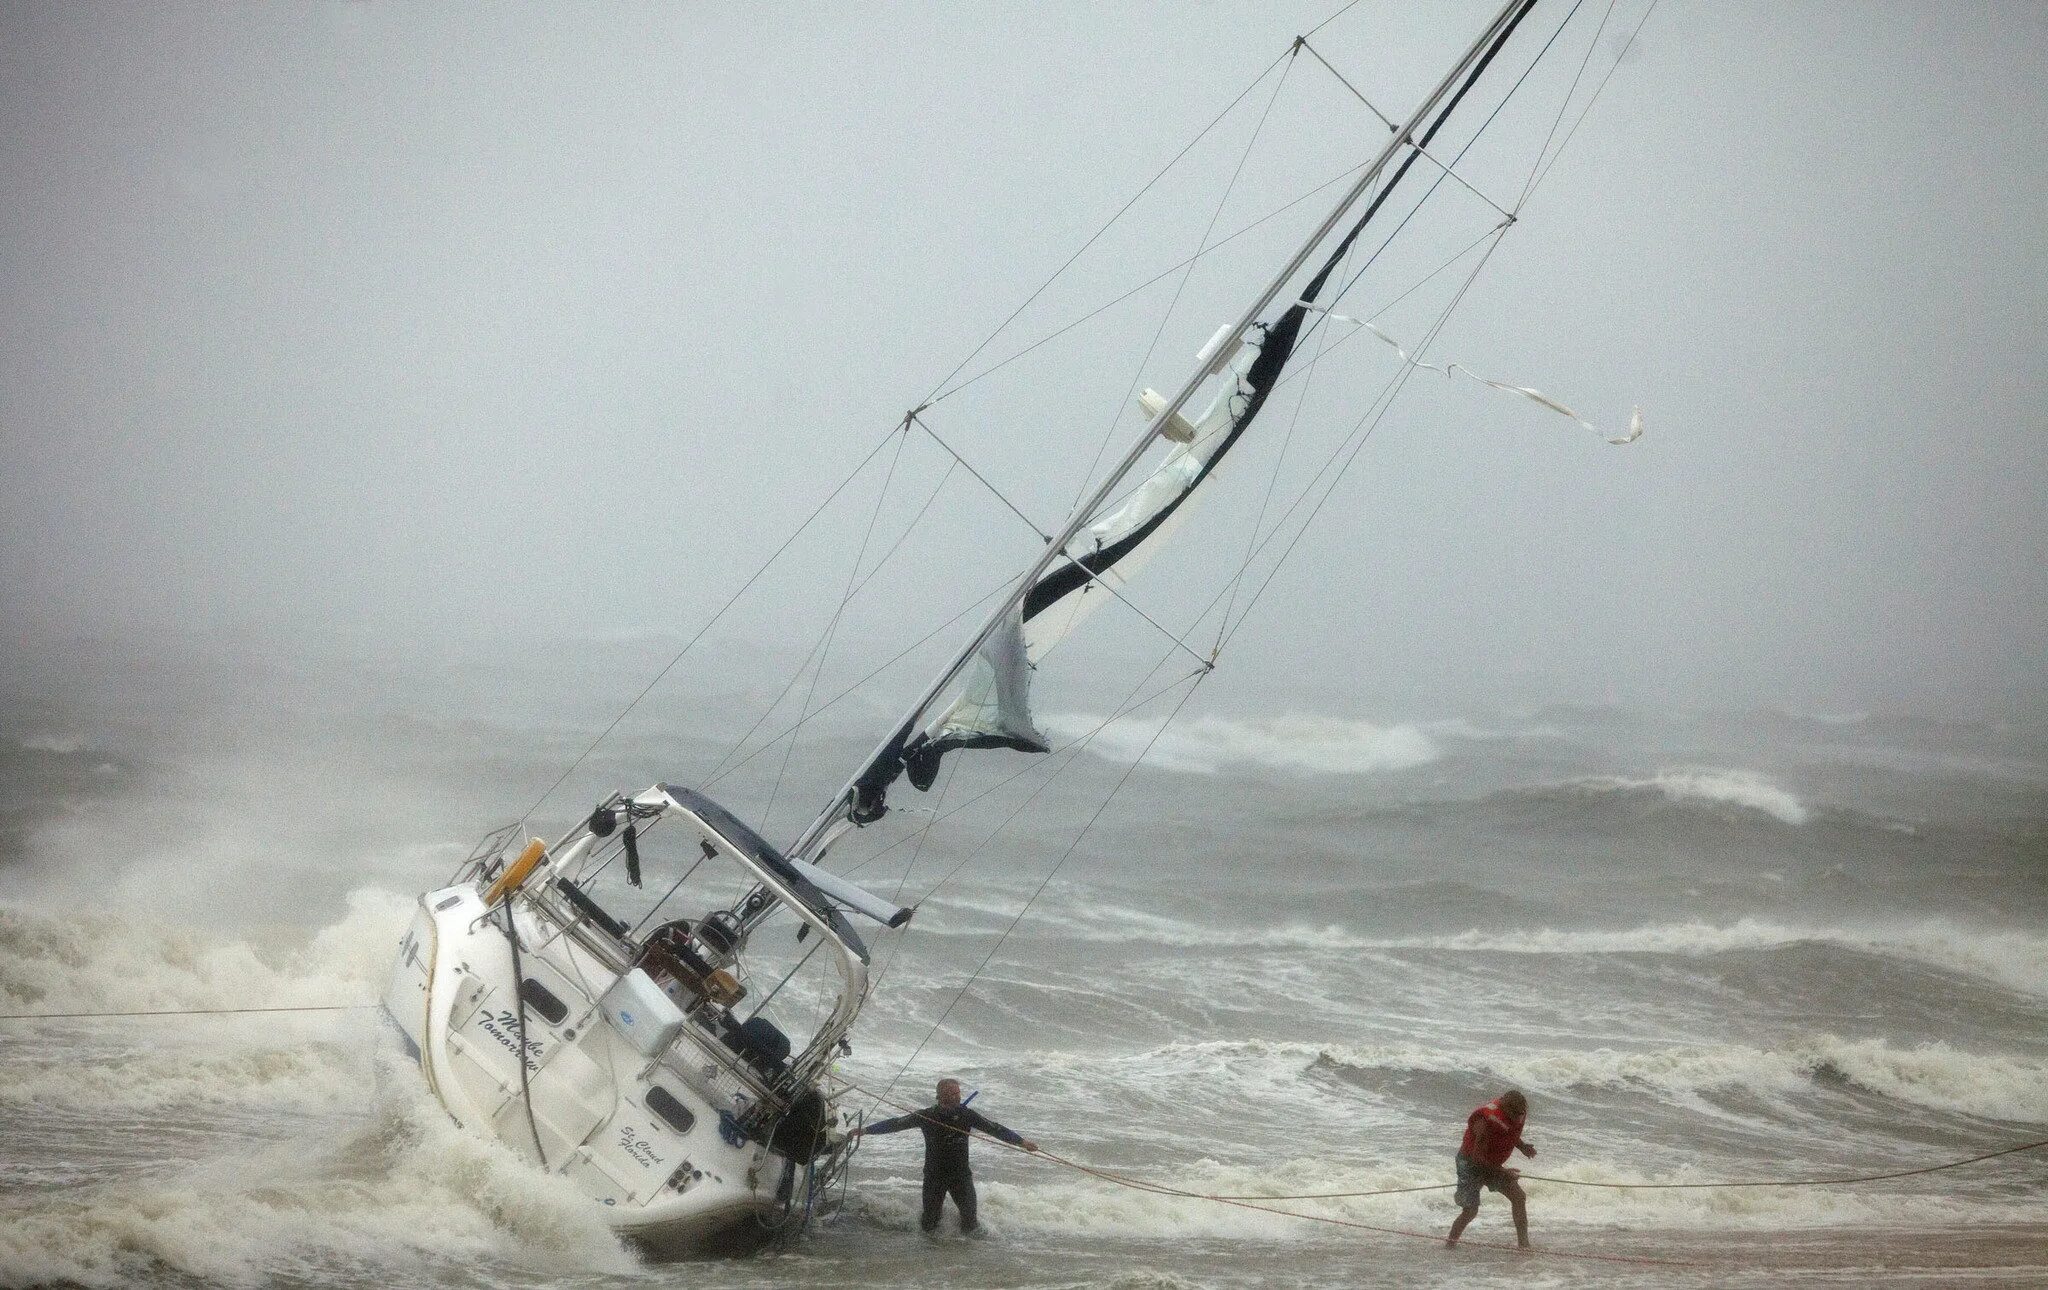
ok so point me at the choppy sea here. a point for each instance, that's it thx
(1289, 957)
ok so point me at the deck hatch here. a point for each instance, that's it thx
(672, 1112)
(543, 1001)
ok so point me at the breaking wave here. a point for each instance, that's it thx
(2016, 960)
(64, 745)
(1745, 789)
(1934, 1075)
(1042, 1199)
(1296, 743)
(351, 1165)
(66, 963)
(405, 1189)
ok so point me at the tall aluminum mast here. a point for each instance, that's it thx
(1510, 14)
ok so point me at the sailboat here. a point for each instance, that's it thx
(638, 1060)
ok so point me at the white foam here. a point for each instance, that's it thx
(407, 1189)
(286, 1071)
(1295, 743)
(1090, 918)
(2016, 960)
(403, 1188)
(1744, 788)
(71, 963)
(1935, 1075)
(63, 745)
(1938, 1076)
(1049, 1200)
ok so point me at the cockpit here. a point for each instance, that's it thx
(713, 929)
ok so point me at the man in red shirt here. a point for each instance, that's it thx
(1492, 1133)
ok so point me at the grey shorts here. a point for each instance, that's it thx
(1471, 1176)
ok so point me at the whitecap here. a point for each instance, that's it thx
(1297, 743)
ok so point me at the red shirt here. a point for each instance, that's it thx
(1505, 1132)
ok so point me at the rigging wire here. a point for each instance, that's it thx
(1570, 91)
(1155, 279)
(1332, 18)
(1477, 134)
(1027, 768)
(917, 853)
(1279, 458)
(1373, 417)
(939, 391)
(708, 625)
(831, 629)
(981, 479)
(1369, 423)
(1418, 148)
(1614, 67)
(896, 658)
(1377, 411)
(718, 767)
(1180, 288)
(1528, 191)
(1043, 536)
(1073, 753)
(936, 394)
(942, 390)
(1196, 684)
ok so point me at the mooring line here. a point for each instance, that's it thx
(1253, 1202)
(185, 1012)
(1795, 1182)
(1162, 1190)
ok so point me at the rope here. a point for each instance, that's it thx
(701, 631)
(1180, 288)
(1248, 1201)
(718, 768)
(1798, 1182)
(1241, 1203)
(1254, 1202)
(824, 650)
(185, 1012)
(1030, 767)
(1059, 864)
(519, 1016)
(940, 391)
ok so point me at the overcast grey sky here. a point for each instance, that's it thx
(408, 323)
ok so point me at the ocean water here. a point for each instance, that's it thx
(1289, 957)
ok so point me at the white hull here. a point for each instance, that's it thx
(656, 1141)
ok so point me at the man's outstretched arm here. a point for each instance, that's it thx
(897, 1125)
(994, 1130)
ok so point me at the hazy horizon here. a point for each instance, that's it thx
(437, 335)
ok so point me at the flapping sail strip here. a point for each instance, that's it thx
(990, 707)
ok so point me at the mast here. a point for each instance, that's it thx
(1474, 58)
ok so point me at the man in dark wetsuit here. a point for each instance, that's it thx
(1492, 1134)
(947, 1128)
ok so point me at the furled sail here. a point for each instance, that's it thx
(990, 705)
(990, 708)
(993, 706)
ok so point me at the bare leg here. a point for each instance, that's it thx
(1518, 1201)
(1458, 1224)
